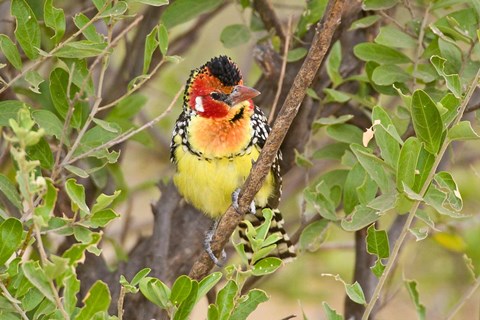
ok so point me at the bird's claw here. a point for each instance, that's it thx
(208, 248)
(235, 205)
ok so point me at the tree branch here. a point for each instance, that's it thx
(303, 80)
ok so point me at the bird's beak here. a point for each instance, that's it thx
(241, 93)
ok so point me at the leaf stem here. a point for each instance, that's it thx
(464, 299)
(416, 204)
(15, 303)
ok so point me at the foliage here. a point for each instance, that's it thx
(60, 126)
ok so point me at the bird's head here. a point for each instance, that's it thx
(215, 89)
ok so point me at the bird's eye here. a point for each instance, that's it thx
(215, 95)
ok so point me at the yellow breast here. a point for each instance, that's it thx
(208, 185)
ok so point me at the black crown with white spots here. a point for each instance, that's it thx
(224, 69)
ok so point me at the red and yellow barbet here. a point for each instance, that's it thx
(216, 139)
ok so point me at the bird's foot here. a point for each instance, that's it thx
(208, 248)
(235, 195)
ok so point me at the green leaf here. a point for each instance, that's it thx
(48, 121)
(364, 22)
(127, 107)
(426, 121)
(235, 35)
(212, 313)
(155, 291)
(10, 51)
(31, 300)
(151, 44)
(331, 121)
(76, 171)
(438, 200)
(314, 235)
(117, 9)
(187, 305)
(334, 60)
(156, 3)
(81, 49)
(462, 131)
(333, 95)
(34, 79)
(96, 300)
(54, 18)
(355, 293)
(452, 80)
(102, 218)
(163, 39)
(378, 4)
(104, 201)
(345, 133)
(59, 79)
(71, 288)
(180, 289)
(424, 165)
(447, 184)
(207, 283)
(182, 11)
(11, 232)
(42, 152)
(361, 217)
(140, 276)
(331, 313)
(379, 53)
(392, 37)
(378, 268)
(375, 167)
(10, 191)
(89, 32)
(296, 54)
(37, 278)
(248, 303)
(377, 242)
(388, 74)
(76, 193)
(225, 300)
(386, 136)
(412, 290)
(356, 178)
(266, 266)
(407, 164)
(27, 31)
(107, 126)
(331, 151)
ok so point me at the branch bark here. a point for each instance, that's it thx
(303, 80)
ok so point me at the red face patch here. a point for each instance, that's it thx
(200, 99)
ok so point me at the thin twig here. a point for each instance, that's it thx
(420, 42)
(282, 71)
(121, 298)
(137, 86)
(127, 135)
(464, 299)
(44, 259)
(304, 78)
(15, 303)
(98, 99)
(416, 204)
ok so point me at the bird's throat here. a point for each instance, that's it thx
(218, 138)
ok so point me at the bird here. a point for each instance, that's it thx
(216, 140)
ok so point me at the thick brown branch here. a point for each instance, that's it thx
(303, 80)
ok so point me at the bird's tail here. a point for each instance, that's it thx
(284, 250)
